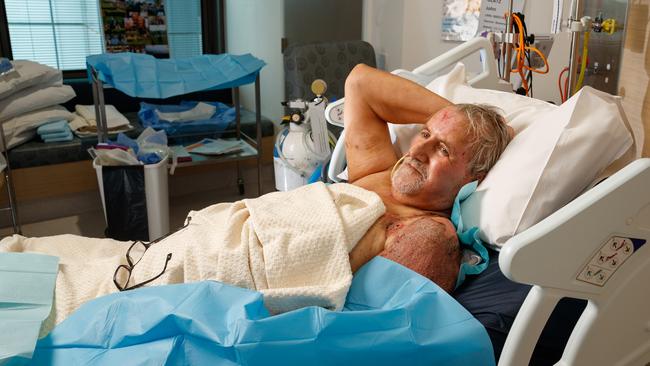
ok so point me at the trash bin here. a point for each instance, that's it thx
(135, 199)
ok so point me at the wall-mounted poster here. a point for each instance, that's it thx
(493, 13)
(460, 19)
(135, 26)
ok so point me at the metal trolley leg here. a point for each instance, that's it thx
(240, 179)
(258, 134)
(11, 193)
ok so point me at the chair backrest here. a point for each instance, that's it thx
(330, 61)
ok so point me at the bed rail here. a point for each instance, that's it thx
(594, 248)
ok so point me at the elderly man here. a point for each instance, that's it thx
(457, 144)
(299, 248)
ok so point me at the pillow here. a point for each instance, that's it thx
(557, 152)
(23, 128)
(26, 74)
(548, 164)
(32, 99)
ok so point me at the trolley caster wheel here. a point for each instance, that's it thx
(240, 187)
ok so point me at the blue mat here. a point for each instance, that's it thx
(144, 76)
(27, 283)
(392, 316)
(221, 119)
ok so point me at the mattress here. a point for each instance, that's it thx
(495, 300)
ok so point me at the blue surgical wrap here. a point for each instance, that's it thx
(223, 116)
(26, 291)
(392, 316)
(468, 237)
(144, 76)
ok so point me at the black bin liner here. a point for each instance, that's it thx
(125, 202)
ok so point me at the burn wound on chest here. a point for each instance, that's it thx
(427, 245)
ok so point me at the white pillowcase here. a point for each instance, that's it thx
(557, 153)
(23, 128)
(34, 98)
(26, 74)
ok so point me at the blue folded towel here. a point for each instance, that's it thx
(54, 135)
(53, 127)
(64, 137)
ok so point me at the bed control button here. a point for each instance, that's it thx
(608, 260)
(595, 275)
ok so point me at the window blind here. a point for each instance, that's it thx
(61, 33)
(58, 33)
(184, 27)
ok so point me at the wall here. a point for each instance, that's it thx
(257, 27)
(406, 34)
(320, 20)
(634, 82)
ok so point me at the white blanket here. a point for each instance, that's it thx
(114, 118)
(291, 246)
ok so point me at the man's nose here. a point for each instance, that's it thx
(419, 150)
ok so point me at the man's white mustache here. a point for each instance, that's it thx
(419, 166)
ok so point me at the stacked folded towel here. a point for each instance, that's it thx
(55, 131)
(85, 121)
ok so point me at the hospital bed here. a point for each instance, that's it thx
(411, 322)
(592, 249)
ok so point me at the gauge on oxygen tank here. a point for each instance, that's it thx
(318, 87)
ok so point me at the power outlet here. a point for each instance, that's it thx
(543, 43)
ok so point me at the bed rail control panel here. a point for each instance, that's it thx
(609, 258)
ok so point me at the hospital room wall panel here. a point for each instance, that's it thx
(407, 33)
(634, 82)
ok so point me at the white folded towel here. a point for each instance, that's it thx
(201, 111)
(113, 117)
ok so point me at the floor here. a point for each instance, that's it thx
(92, 224)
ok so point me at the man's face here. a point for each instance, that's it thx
(436, 165)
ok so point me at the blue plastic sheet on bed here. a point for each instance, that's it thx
(219, 121)
(144, 76)
(392, 316)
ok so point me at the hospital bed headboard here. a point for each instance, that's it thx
(594, 248)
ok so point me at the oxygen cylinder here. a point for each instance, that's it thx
(293, 161)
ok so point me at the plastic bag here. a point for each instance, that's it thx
(150, 147)
(126, 202)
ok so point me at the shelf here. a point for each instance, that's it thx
(249, 152)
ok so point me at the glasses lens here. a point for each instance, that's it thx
(135, 253)
(122, 276)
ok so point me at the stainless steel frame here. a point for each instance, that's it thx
(102, 128)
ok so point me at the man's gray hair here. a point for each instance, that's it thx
(490, 135)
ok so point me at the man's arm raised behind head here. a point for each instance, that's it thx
(373, 97)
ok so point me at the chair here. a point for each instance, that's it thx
(330, 61)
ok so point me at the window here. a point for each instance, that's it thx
(56, 33)
(184, 27)
(61, 33)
